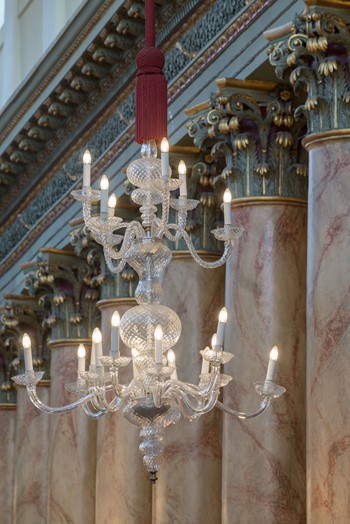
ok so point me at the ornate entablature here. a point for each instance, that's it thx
(314, 58)
(45, 154)
(249, 131)
(63, 286)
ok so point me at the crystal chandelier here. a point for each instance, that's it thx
(155, 397)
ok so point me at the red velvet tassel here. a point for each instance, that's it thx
(151, 96)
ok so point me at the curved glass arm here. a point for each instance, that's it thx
(63, 409)
(92, 414)
(192, 389)
(209, 265)
(241, 414)
(204, 405)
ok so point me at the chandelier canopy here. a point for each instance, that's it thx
(155, 397)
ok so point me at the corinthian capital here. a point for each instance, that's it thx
(314, 59)
(249, 130)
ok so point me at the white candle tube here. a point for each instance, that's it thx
(97, 346)
(81, 358)
(115, 323)
(220, 332)
(164, 147)
(182, 178)
(135, 354)
(27, 349)
(171, 363)
(272, 363)
(205, 365)
(214, 345)
(112, 202)
(227, 207)
(104, 197)
(86, 169)
(158, 343)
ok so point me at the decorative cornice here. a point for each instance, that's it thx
(65, 342)
(327, 137)
(107, 303)
(7, 407)
(50, 196)
(270, 201)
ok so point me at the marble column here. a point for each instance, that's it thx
(123, 488)
(256, 136)
(72, 454)
(188, 489)
(328, 306)
(264, 458)
(319, 64)
(31, 459)
(7, 454)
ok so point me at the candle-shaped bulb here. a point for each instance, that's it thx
(115, 321)
(223, 315)
(81, 351)
(227, 196)
(104, 184)
(182, 168)
(96, 336)
(134, 353)
(214, 340)
(274, 353)
(272, 363)
(227, 207)
(87, 157)
(205, 364)
(182, 178)
(158, 333)
(171, 357)
(26, 342)
(81, 358)
(27, 349)
(158, 344)
(112, 201)
(164, 145)
(86, 169)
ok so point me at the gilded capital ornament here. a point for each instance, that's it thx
(254, 140)
(314, 59)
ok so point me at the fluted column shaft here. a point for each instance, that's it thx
(188, 489)
(123, 488)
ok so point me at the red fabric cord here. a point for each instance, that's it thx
(150, 22)
(151, 86)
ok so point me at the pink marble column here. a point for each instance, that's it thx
(123, 489)
(31, 459)
(328, 306)
(7, 457)
(264, 458)
(188, 489)
(72, 459)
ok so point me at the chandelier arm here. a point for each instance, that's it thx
(92, 414)
(192, 389)
(241, 414)
(205, 406)
(208, 265)
(63, 409)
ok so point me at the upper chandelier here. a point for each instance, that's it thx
(155, 397)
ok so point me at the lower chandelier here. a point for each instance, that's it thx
(155, 397)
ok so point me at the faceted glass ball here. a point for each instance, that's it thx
(138, 324)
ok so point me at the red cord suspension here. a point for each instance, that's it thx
(151, 86)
